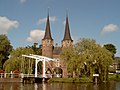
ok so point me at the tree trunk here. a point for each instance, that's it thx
(74, 74)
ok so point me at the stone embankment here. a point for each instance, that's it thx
(10, 80)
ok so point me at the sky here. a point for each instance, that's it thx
(24, 21)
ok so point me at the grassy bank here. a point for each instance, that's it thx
(114, 77)
(71, 80)
(111, 77)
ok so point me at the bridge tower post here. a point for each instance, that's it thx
(43, 69)
(36, 67)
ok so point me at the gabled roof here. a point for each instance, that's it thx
(47, 30)
(57, 50)
(67, 35)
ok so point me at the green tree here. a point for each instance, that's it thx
(16, 61)
(38, 51)
(5, 49)
(118, 62)
(21, 63)
(111, 48)
(70, 58)
(89, 56)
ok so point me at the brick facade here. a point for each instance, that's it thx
(49, 50)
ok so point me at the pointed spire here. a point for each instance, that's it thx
(67, 35)
(47, 30)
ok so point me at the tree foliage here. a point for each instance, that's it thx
(5, 49)
(16, 60)
(22, 64)
(111, 48)
(37, 49)
(87, 58)
(118, 62)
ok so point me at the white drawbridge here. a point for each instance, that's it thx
(38, 59)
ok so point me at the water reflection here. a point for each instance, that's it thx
(117, 86)
(60, 86)
(36, 86)
(105, 86)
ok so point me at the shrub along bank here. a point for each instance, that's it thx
(71, 80)
(112, 77)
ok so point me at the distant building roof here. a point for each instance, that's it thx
(57, 50)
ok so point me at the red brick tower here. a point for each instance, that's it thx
(67, 40)
(47, 41)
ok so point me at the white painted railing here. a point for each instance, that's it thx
(21, 75)
(9, 75)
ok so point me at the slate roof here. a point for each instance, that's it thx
(67, 35)
(47, 30)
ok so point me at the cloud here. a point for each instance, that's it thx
(23, 1)
(36, 36)
(7, 24)
(42, 20)
(109, 28)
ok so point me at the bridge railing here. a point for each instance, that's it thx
(39, 75)
(9, 75)
(21, 75)
(27, 75)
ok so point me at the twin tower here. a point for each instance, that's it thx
(48, 48)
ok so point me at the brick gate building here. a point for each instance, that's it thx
(48, 48)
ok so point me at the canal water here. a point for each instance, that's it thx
(60, 86)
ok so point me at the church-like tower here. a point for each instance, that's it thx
(47, 41)
(67, 40)
(49, 50)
